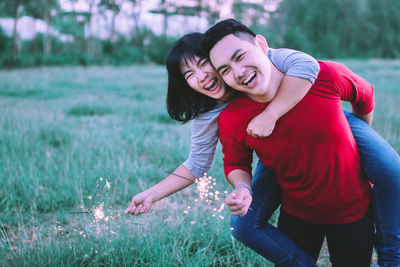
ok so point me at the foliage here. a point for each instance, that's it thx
(158, 48)
(327, 29)
(5, 44)
(339, 28)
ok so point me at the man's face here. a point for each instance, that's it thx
(243, 65)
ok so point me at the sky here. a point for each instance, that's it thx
(177, 25)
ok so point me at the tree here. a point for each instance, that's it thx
(249, 13)
(339, 28)
(114, 7)
(383, 34)
(89, 37)
(138, 34)
(46, 10)
(13, 8)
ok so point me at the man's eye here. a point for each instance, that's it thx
(224, 71)
(239, 57)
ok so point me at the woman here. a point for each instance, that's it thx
(188, 69)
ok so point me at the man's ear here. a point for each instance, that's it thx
(262, 43)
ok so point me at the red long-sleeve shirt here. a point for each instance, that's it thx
(311, 149)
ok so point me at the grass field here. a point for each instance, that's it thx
(66, 131)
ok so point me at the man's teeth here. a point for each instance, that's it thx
(211, 85)
(249, 78)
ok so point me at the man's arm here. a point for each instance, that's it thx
(356, 90)
(365, 117)
(237, 159)
(240, 199)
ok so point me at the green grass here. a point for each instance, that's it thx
(63, 128)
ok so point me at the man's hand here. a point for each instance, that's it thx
(140, 204)
(239, 201)
(262, 125)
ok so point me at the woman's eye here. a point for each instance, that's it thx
(205, 62)
(224, 71)
(239, 57)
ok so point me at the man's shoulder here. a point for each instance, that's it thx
(235, 112)
(240, 106)
(331, 69)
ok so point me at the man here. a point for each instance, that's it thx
(311, 150)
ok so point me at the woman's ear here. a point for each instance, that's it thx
(262, 43)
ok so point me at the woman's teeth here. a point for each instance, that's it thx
(211, 85)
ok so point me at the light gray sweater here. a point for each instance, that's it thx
(204, 128)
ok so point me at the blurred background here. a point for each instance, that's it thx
(86, 32)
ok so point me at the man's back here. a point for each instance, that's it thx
(311, 149)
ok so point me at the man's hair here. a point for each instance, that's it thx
(224, 28)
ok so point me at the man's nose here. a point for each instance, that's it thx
(238, 71)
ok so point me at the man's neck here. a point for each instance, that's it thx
(273, 86)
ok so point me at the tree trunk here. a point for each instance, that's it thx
(165, 24)
(15, 34)
(113, 33)
(89, 37)
(47, 37)
(138, 35)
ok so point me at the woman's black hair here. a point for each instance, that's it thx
(184, 103)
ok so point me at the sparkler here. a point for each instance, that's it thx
(94, 211)
(99, 213)
(205, 186)
(177, 175)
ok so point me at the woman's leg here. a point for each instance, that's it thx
(254, 231)
(381, 163)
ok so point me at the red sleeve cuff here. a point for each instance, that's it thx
(229, 168)
(364, 107)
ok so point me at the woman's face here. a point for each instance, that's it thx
(202, 77)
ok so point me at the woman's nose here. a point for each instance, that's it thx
(202, 75)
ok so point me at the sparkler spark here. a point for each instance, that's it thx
(204, 187)
(99, 213)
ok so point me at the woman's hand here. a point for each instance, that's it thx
(239, 201)
(140, 204)
(262, 125)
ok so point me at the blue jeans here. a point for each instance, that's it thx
(380, 162)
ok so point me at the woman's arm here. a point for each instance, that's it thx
(204, 139)
(142, 202)
(300, 71)
(203, 145)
